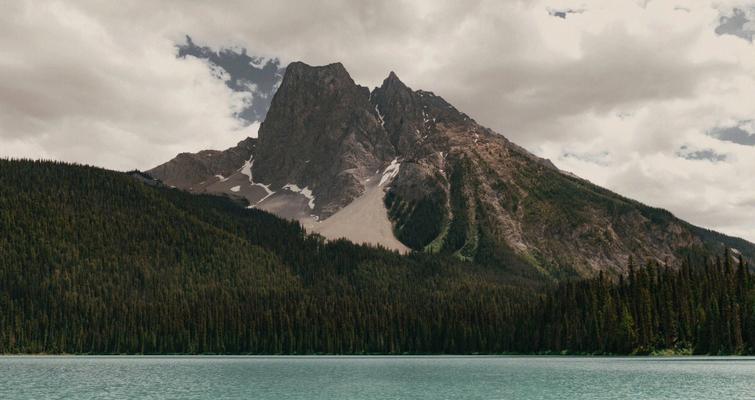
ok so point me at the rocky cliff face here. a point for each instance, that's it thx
(405, 169)
(321, 133)
(466, 190)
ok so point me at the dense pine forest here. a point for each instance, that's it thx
(96, 261)
(703, 308)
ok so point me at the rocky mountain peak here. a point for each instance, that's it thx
(334, 75)
(393, 81)
(321, 133)
(400, 113)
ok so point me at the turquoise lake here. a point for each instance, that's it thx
(376, 377)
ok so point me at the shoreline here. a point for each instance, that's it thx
(183, 355)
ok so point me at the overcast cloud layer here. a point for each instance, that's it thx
(653, 99)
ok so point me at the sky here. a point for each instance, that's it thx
(654, 99)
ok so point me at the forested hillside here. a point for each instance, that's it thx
(95, 261)
(702, 308)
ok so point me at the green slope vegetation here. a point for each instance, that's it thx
(703, 308)
(95, 261)
(562, 227)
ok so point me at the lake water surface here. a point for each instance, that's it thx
(375, 377)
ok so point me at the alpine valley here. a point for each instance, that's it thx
(361, 221)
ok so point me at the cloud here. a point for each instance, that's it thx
(611, 93)
(256, 77)
(737, 24)
(73, 88)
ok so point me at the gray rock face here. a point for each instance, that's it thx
(321, 132)
(400, 112)
(196, 171)
(411, 117)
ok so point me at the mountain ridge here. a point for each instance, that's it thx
(450, 185)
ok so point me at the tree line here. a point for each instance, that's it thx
(703, 307)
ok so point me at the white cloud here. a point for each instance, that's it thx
(73, 88)
(610, 93)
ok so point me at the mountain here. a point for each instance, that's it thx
(407, 170)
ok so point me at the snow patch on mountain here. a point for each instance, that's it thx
(306, 192)
(390, 172)
(267, 190)
(246, 169)
(380, 116)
